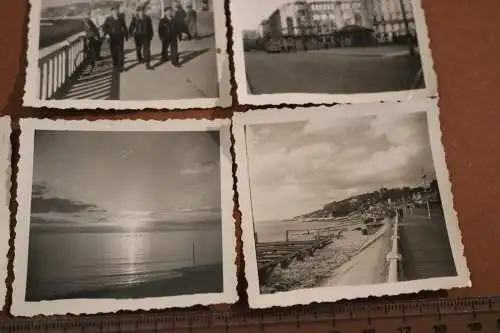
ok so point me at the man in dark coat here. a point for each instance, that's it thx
(192, 22)
(116, 31)
(141, 28)
(180, 18)
(169, 31)
(92, 39)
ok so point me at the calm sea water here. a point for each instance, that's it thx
(75, 262)
(274, 231)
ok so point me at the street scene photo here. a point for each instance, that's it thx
(126, 50)
(328, 47)
(124, 215)
(338, 202)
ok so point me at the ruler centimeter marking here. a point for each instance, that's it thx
(465, 315)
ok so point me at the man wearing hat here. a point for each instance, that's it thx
(116, 31)
(141, 28)
(169, 30)
(180, 18)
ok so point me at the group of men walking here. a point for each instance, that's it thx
(174, 23)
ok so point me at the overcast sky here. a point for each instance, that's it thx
(250, 13)
(296, 168)
(143, 175)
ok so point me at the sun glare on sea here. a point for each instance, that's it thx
(132, 221)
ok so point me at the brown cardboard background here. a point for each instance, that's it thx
(465, 42)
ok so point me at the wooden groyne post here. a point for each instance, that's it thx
(194, 255)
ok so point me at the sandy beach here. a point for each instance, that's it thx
(192, 280)
(316, 270)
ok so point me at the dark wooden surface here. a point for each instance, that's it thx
(466, 49)
(271, 254)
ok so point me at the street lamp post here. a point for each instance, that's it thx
(407, 27)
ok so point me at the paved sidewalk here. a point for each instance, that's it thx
(425, 245)
(197, 78)
(366, 267)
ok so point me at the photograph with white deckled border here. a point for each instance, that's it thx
(123, 215)
(346, 202)
(324, 52)
(5, 169)
(134, 54)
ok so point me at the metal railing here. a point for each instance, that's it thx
(394, 257)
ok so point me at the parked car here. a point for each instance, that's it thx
(274, 46)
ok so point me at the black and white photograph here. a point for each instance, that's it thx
(346, 203)
(111, 54)
(346, 51)
(125, 216)
(5, 172)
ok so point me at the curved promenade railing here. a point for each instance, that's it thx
(57, 64)
(56, 68)
(394, 257)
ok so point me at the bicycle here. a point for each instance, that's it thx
(84, 54)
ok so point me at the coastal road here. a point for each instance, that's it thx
(341, 71)
(367, 267)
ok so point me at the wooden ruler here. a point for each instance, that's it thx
(433, 316)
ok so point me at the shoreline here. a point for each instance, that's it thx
(192, 280)
(314, 271)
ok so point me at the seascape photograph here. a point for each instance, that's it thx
(117, 215)
(337, 203)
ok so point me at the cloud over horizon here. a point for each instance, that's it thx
(125, 178)
(298, 167)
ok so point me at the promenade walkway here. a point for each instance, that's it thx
(196, 78)
(425, 246)
(368, 266)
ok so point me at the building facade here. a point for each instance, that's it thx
(341, 21)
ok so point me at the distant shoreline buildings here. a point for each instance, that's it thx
(339, 22)
(102, 7)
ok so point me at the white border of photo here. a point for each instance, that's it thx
(329, 294)
(31, 87)
(5, 155)
(88, 306)
(244, 97)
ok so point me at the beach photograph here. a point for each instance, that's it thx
(342, 202)
(98, 53)
(344, 49)
(125, 215)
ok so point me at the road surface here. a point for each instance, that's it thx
(334, 71)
